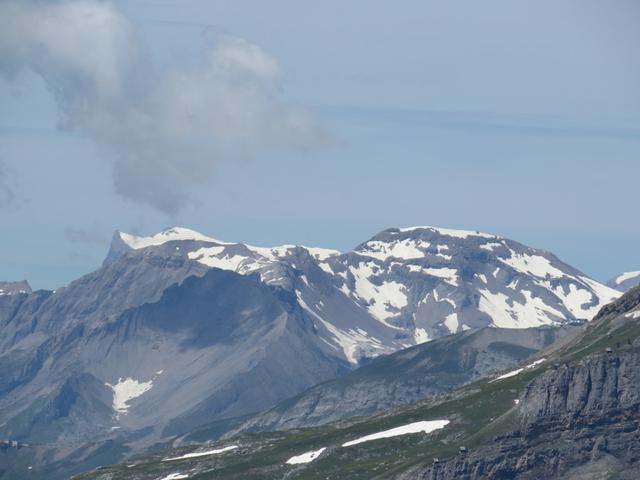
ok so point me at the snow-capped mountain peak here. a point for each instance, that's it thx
(15, 288)
(241, 258)
(625, 281)
(449, 232)
(403, 286)
(168, 235)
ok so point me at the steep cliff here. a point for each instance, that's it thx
(575, 422)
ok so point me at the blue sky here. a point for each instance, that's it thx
(520, 118)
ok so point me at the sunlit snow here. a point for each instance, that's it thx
(505, 312)
(383, 301)
(421, 336)
(451, 322)
(513, 373)
(172, 234)
(175, 476)
(126, 390)
(306, 457)
(535, 265)
(450, 232)
(626, 276)
(201, 454)
(350, 341)
(417, 427)
(404, 249)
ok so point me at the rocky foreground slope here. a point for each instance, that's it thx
(575, 422)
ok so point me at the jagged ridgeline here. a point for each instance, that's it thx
(178, 330)
(570, 412)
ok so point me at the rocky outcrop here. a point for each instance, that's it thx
(15, 288)
(573, 422)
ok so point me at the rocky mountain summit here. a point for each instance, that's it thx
(403, 286)
(15, 288)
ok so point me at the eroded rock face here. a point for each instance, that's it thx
(575, 422)
(407, 376)
(15, 288)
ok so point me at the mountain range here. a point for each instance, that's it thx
(569, 411)
(178, 330)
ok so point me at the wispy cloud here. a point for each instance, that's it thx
(491, 123)
(85, 236)
(163, 128)
(7, 195)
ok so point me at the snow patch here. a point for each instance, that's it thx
(126, 390)
(420, 335)
(201, 454)
(175, 476)
(383, 301)
(449, 275)
(450, 232)
(513, 373)
(575, 298)
(535, 265)
(507, 313)
(626, 276)
(209, 256)
(451, 322)
(306, 457)
(490, 246)
(417, 427)
(405, 249)
(327, 268)
(604, 294)
(351, 341)
(169, 235)
(322, 253)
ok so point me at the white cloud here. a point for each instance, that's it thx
(163, 128)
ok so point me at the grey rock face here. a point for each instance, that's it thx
(407, 376)
(15, 288)
(403, 286)
(122, 353)
(575, 423)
